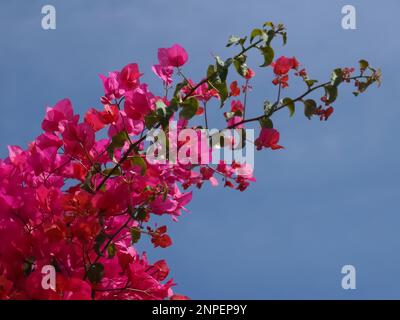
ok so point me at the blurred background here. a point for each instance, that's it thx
(329, 199)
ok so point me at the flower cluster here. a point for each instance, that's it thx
(281, 68)
(83, 193)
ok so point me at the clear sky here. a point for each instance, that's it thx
(329, 199)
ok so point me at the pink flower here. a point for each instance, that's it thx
(60, 113)
(139, 102)
(232, 122)
(249, 74)
(268, 138)
(283, 65)
(129, 76)
(164, 73)
(175, 56)
(112, 87)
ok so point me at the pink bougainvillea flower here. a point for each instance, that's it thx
(129, 76)
(58, 114)
(98, 120)
(249, 74)
(268, 138)
(139, 102)
(164, 73)
(112, 86)
(175, 56)
(324, 114)
(202, 93)
(159, 238)
(283, 65)
(235, 90)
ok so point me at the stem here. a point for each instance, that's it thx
(245, 99)
(286, 104)
(205, 115)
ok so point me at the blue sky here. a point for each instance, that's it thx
(329, 199)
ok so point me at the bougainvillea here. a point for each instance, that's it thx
(83, 193)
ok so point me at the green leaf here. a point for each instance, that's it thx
(364, 64)
(150, 120)
(189, 108)
(240, 67)
(111, 250)
(309, 108)
(268, 54)
(266, 122)
(135, 234)
(233, 40)
(139, 161)
(269, 24)
(161, 108)
(290, 104)
(141, 214)
(114, 172)
(255, 33)
(337, 77)
(179, 87)
(268, 108)
(223, 92)
(242, 41)
(117, 141)
(98, 242)
(310, 82)
(95, 272)
(284, 38)
(211, 73)
(222, 69)
(331, 93)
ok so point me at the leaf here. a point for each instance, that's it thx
(268, 108)
(290, 104)
(179, 87)
(331, 93)
(255, 33)
(189, 108)
(95, 272)
(337, 77)
(101, 237)
(150, 120)
(223, 92)
(364, 64)
(240, 67)
(211, 73)
(284, 38)
(266, 122)
(161, 108)
(139, 161)
(111, 250)
(222, 69)
(141, 214)
(117, 141)
(309, 108)
(268, 54)
(135, 234)
(114, 172)
(268, 24)
(233, 40)
(310, 82)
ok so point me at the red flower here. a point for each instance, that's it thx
(159, 238)
(268, 138)
(249, 74)
(283, 65)
(129, 76)
(324, 114)
(175, 56)
(235, 90)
